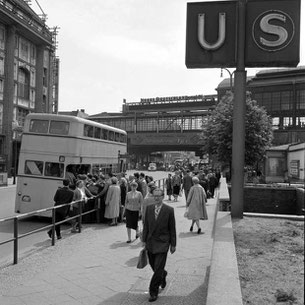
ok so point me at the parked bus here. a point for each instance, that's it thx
(55, 147)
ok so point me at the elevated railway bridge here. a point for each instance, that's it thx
(162, 123)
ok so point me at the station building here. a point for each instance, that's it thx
(282, 93)
(28, 73)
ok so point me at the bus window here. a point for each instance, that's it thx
(95, 169)
(59, 127)
(111, 135)
(53, 169)
(117, 137)
(104, 134)
(88, 131)
(97, 132)
(40, 126)
(122, 138)
(33, 167)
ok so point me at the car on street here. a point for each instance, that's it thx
(152, 167)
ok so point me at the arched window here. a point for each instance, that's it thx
(23, 84)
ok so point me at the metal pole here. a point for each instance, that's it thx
(80, 204)
(238, 145)
(15, 240)
(15, 160)
(53, 227)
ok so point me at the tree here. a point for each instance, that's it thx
(217, 131)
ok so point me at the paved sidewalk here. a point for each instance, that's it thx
(99, 267)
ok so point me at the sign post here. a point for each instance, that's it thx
(239, 111)
(242, 33)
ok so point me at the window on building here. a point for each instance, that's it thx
(275, 122)
(23, 84)
(287, 121)
(45, 77)
(267, 100)
(33, 52)
(21, 114)
(300, 122)
(2, 37)
(1, 121)
(285, 100)
(300, 99)
(33, 78)
(1, 65)
(24, 49)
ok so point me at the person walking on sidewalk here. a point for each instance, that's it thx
(176, 181)
(113, 202)
(196, 204)
(187, 183)
(133, 206)
(169, 186)
(159, 236)
(81, 193)
(63, 195)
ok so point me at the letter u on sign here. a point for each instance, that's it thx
(221, 32)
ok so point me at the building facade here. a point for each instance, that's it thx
(28, 73)
(282, 93)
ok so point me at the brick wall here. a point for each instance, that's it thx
(273, 200)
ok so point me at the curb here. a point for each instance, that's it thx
(279, 216)
(224, 285)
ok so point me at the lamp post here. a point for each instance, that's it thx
(231, 76)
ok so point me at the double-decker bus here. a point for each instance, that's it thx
(55, 147)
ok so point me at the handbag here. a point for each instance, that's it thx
(142, 260)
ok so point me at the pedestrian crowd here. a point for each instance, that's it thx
(137, 199)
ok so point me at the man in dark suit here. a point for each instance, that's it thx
(159, 235)
(63, 195)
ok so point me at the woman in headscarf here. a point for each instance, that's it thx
(113, 202)
(196, 203)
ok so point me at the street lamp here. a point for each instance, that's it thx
(231, 77)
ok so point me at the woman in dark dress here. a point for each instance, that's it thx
(124, 188)
(133, 205)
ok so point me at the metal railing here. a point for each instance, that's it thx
(17, 218)
(16, 236)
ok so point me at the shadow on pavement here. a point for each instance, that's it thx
(132, 262)
(167, 297)
(188, 234)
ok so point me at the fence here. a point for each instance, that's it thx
(160, 183)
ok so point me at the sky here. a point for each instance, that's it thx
(111, 50)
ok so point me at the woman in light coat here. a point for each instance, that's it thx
(196, 203)
(113, 202)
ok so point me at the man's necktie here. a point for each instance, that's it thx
(157, 210)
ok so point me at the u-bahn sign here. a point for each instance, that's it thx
(272, 36)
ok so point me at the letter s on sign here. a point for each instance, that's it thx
(273, 30)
